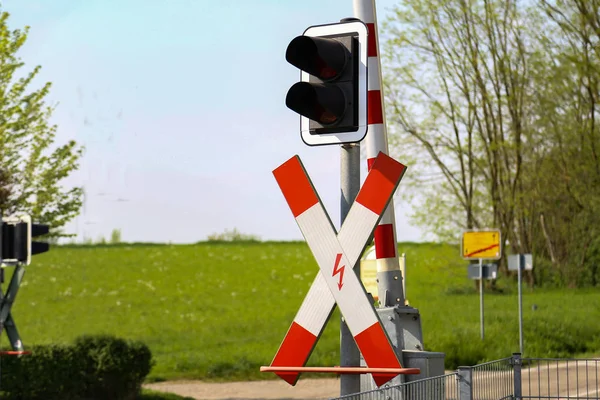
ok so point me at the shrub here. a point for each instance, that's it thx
(93, 368)
(233, 236)
(115, 236)
(113, 368)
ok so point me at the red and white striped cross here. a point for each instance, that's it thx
(336, 255)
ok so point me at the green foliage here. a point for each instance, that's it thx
(496, 104)
(232, 236)
(32, 166)
(115, 236)
(94, 367)
(218, 311)
(114, 368)
(231, 370)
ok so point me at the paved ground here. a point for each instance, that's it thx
(275, 389)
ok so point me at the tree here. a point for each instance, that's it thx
(233, 236)
(499, 100)
(456, 87)
(567, 97)
(32, 167)
(115, 236)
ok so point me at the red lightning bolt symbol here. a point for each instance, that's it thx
(340, 270)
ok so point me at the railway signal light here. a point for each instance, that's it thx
(331, 96)
(16, 244)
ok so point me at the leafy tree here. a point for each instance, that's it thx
(32, 166)
(115, 236)
(497, 104)
(233, 236)
(455, 89)
(567, 101)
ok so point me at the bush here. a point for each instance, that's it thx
(115, 236)
(93, 368)
(233, 236)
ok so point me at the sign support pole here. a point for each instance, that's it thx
(481, 296)
(520, 283)
(350, 186)
(6, 302)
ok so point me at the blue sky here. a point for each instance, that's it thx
(180, 105)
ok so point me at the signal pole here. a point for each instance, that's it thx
(401, 322)
(350, 185)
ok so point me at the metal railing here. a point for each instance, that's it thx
(444, 387)
(512, 378)
(493, 380)
(554, 378)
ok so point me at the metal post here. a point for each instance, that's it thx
(465, 383)
(481, 297)
(350, 185)
(516, 364)
(520, 283)
(403, 271)
(6, 302)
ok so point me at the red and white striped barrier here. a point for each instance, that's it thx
(334, 254)
(376, 141)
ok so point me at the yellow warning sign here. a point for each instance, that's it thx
(368, 272)
(368, 276)
(481, 244)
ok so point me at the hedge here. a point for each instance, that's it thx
(92, 368)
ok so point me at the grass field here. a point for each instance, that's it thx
(219, 311)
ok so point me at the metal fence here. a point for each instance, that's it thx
(444, 387)
(493, 380)
(546, 378)
(512, 378)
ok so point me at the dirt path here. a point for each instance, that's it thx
(274, 389)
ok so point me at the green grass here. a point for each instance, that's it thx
(219, 311)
